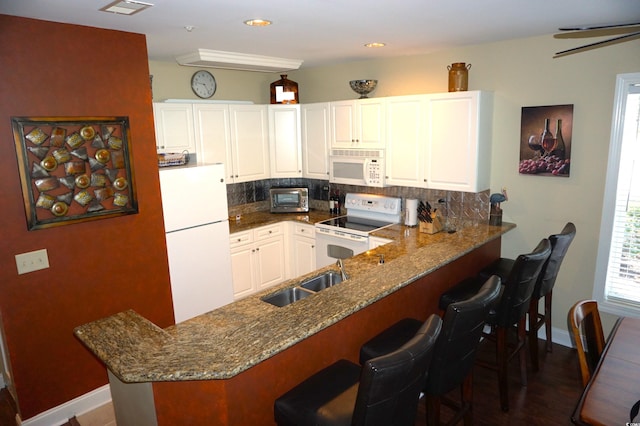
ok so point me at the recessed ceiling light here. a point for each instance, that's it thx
(126, 7)
(257, 22)
(375, 44)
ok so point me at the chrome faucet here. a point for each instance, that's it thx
(343, 273)
(340, 253)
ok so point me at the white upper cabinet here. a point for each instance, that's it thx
(213, 138)
(285, 141)
(174, 127)
(458, 154)
(406, 140)
(358, 124)
(236, 135)
(249, 142)
(316, 131)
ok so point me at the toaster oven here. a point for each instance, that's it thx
(289, 200)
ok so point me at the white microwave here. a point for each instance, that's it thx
(357, 167)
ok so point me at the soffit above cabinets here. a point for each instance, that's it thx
(237, 61)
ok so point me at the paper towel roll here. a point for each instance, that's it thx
(411, 212)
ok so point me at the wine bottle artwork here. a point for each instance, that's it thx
(545, 149)
(547, 140)
(559, 149)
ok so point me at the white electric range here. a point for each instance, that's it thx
(366, 213)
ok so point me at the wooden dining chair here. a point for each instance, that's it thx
(586, 329)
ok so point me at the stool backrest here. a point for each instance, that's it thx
(518, 288)
(559, 245)
(584, 319)
(390, 385)
(455, 350)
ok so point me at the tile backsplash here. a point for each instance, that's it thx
(455, 206)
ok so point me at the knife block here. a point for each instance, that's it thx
(431, 227)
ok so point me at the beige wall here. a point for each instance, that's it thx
(520, 73)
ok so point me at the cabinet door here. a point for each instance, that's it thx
(458, 130)
(358, 124)
(406, 140)
(174, 127)
(242, 266)
(249, 142)
(304, 255)
(316, 139)
(284, 141)
(213, 139)
(342, 124)
(270, 265)
(371, 123)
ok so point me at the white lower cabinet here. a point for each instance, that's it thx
(303, 249)
(257, 259)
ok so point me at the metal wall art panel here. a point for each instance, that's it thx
(74, 169)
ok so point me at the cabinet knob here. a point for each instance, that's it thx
(258, 249)
(239, 239)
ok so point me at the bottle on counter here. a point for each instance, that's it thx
(332, 203)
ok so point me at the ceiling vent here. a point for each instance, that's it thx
(237, 61)
(126, 7)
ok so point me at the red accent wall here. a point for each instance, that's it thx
(97, 268)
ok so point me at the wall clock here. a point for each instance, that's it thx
(203, 84)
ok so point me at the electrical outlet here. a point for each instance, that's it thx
(32, 261)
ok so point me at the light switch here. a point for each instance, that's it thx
(32, 261)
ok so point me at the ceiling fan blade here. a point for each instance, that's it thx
(587, 46)
(597, 27)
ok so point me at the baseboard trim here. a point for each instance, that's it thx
(62, 413)
(558, 335)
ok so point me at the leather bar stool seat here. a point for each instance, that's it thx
(510, 310)
(382, 392)
(543, 289)
(454, 352)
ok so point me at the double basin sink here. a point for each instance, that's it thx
(305, 289)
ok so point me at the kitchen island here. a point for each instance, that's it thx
(227, 366)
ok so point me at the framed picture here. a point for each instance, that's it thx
(74, 169)
(545, 140)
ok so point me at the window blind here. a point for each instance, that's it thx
(623, 271)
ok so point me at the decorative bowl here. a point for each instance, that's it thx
(363, 87)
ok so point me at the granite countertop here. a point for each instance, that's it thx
(231, 339)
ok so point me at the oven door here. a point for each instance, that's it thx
(357, 243)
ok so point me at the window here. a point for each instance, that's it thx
(617, 285)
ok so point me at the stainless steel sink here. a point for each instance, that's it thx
(323, 281)
(287, 296)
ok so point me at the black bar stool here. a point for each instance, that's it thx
(544, 287)
(383, 392)
(510, 310)
(453, 355)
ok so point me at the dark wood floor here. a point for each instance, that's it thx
(548, 399)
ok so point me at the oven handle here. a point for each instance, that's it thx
(340, 234)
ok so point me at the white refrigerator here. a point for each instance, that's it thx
(194, 203)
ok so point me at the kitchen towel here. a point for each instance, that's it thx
(411, 212)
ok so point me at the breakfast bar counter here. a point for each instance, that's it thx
(227, 366)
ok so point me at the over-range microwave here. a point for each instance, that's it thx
(288, 200)
(357, 167)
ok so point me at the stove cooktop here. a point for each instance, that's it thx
(355, 223)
